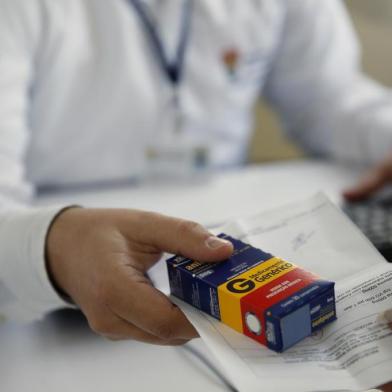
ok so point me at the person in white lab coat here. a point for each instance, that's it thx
(91, 90)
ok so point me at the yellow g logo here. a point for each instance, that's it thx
(240, 286)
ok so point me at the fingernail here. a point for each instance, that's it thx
(385, 317)
(216, 242)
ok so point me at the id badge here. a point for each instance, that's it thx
(176, 154)
(183, 160)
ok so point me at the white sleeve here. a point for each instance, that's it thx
(317, 87)
(25, 289)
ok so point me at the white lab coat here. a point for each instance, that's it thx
(82, 95)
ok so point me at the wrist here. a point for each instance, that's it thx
(56, 245)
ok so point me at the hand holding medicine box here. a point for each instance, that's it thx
(264, 297)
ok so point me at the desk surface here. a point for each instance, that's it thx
(230, 194)
(61, 354)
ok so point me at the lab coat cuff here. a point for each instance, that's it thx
(23, 235)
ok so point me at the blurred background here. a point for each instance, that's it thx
(373, 22)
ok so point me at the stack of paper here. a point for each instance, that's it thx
(353, 353)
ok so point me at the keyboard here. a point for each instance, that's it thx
(374, 219)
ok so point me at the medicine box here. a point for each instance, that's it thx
(268, 299)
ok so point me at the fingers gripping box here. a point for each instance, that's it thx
(264, 297)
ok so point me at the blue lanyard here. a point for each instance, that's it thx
(174, 70)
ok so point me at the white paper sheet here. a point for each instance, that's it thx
(353, 353)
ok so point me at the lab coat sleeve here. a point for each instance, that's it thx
(316, 85)
(25, 290)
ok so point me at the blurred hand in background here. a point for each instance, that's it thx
(372, 182)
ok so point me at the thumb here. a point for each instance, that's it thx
(178, 236)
